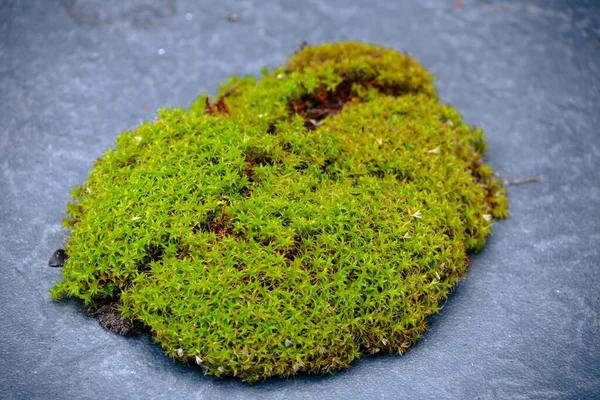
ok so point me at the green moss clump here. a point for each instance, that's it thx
(317, 213)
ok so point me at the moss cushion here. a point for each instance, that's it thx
(302, 219)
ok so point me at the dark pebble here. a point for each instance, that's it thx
(233, 17)
(58, 259)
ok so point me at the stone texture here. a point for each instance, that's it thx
(523, 324)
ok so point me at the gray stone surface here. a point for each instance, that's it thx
(523, 324)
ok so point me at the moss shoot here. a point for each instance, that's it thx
(317, 213)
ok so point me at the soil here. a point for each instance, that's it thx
(111, 319)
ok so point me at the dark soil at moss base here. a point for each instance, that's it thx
(110, 317)
(300, 220)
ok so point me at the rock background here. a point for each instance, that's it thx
(523, 324)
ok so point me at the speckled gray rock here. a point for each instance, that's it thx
(523, 324)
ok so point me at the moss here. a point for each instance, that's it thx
(304, 218)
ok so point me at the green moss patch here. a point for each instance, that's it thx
(300, 220)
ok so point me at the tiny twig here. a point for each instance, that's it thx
(229, 91)
(506, 181)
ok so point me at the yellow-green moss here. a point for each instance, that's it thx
(317, 213)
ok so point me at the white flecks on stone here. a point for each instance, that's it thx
(161, 52)
(189, 16)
